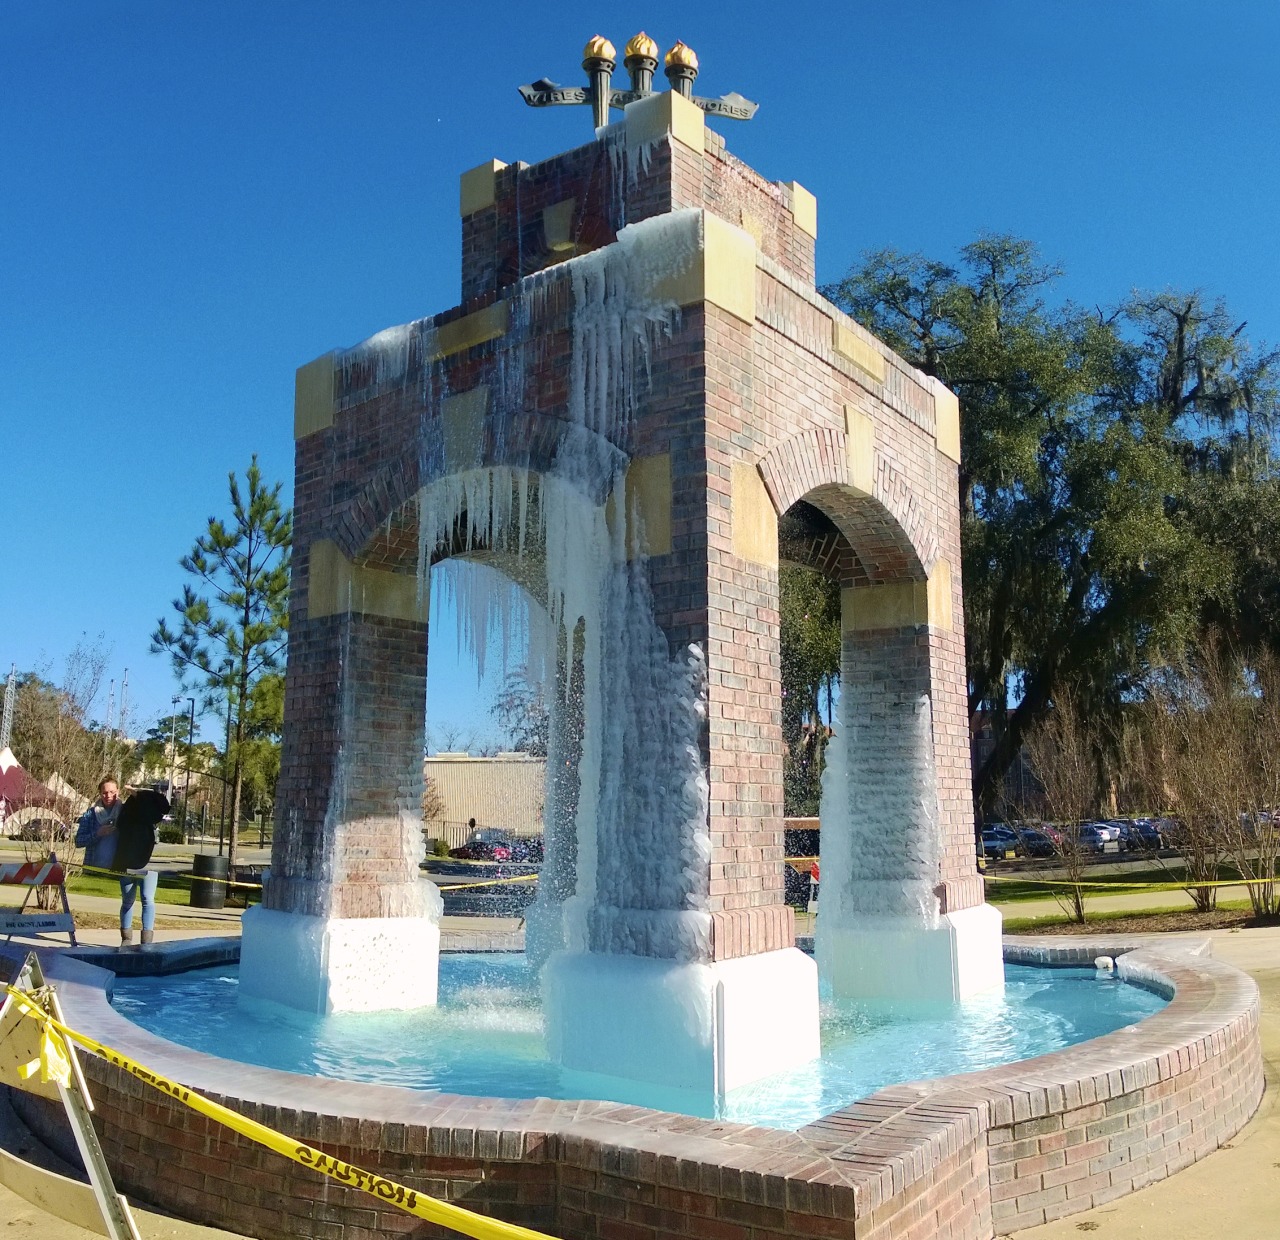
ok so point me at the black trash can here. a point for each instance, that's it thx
(209, 881)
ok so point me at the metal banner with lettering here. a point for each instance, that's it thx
(544, 94)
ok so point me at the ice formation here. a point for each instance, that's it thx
(879, 815)
(631, 874)
(880, 933)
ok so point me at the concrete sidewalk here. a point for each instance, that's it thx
(180, 921)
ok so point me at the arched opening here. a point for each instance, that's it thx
(890, 837)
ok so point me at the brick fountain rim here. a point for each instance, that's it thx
(965, 1155)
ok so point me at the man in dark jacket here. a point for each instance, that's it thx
(96, 834)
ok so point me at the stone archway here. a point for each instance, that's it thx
(901, 916)
(682, 377)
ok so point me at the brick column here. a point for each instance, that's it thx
(887, 864)
(890, 922)
(346, 896)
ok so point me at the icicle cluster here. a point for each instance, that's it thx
(639, 851)
(879, 816)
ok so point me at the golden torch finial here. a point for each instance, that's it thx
(599, 58)
(599, 48)
(641, 61)
(682, 68)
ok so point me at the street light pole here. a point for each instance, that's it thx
(173, 759)
(191, 741)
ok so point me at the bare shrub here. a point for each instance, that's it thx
(1211, 755)
(57, 740)
(1212, 729)
(1064, 752)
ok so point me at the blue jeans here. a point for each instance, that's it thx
(129, 888)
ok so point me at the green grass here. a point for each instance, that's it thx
(1128, 882)
(1029, 925)
(171, 888)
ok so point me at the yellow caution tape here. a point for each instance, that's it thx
(410, 1200)
(195, 878)
(52, 1062)
(492, 882)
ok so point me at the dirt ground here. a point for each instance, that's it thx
(109, 921)
(1158, 923)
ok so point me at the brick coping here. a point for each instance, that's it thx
(995, 1149)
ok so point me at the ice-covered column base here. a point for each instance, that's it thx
(543, 930)
(339, 964)
(679, 1029)
(900, 961)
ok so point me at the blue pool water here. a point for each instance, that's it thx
(485, 1037)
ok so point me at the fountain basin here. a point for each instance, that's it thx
(983, 1152)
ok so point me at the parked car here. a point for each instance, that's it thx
(796, 879)
(1141, 835)
(1034, 842)
(998, 843)
(46, 830)
(1095, 837)
(481, 850)
(527, 849)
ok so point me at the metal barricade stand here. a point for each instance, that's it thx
(33, 875)
(29, 1062)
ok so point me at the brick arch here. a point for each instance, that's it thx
(381, 505)
(378, 524)
(807, 537)
(888, 530)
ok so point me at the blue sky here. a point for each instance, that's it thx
(197, 198)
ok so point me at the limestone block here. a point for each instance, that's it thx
(649, 120)
(647, 492)
(755, 523)
(723, 271)
(899, 604)
(729, 266)
(893, 605)
(471, 329)
(947, 419)
(804, 209)
(753, 226)
(863, 355)
(336, 586)
(477, 187)
(313, 397)
(557, 226)
(462, 419)
(940, 611)
(860, 449)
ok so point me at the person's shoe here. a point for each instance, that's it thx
(126, 938)
(148, 936)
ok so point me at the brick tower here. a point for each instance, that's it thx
(640, 353)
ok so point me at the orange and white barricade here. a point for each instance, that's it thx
(33, 875)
